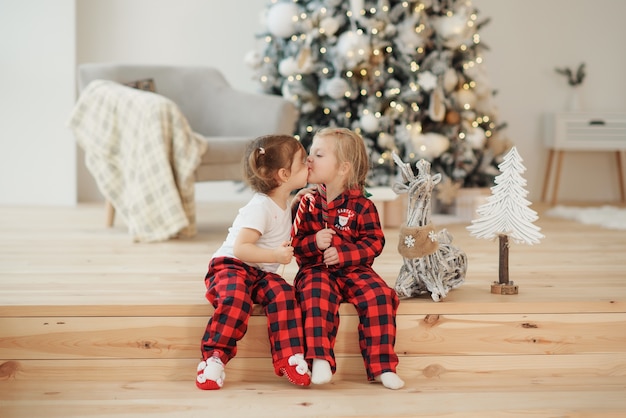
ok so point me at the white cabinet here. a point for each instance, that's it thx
(583, 131)
(591, 131)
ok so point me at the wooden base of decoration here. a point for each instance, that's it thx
(504, 288)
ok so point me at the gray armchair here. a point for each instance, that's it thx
(227, 118)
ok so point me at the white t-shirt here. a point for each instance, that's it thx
(264, 215)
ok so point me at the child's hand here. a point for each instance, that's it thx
(284, 253)
(331, 256)
(324, 238)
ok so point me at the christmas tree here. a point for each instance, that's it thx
(507, 213)
(407, 75)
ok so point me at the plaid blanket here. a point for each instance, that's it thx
(143, 154)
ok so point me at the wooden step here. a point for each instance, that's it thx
(36, 338)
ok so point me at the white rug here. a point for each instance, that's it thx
(610, 217)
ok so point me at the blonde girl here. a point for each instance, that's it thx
(335, 248)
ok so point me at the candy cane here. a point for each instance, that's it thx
(300, 212)
(298, 218)
(322, 191)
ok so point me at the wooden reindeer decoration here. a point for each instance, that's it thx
(431, 264)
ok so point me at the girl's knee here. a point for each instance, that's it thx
(391, 296)
(378, 298)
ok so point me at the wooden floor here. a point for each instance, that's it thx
(93, 325)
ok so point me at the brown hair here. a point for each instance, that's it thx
(265, 156)
(349, 147)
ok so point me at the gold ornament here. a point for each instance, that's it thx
(453, 117)
(304, 55)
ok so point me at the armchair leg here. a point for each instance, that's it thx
(110, 214)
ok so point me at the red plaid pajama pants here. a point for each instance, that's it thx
(320, 292)
(232, 288)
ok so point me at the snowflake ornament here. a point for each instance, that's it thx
(427, 80)
(409, 241)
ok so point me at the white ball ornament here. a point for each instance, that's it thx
(476, 137)
(438, 143)
(369, 122)
(281, 19)
(329, 25)
(336, 88)
(353, 48)
(288, 67)
(430, 145)
(454, 25)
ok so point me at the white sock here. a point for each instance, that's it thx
(321, 372)
(390, 380)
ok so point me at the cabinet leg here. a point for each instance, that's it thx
(546, 179)
(620, 173)
(110, 214)
(557, 176)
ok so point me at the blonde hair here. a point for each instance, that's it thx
(265, 156)
(350, 148)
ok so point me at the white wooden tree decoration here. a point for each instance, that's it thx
(507, 214)
(431, 264)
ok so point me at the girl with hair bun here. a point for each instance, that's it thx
(242, 271)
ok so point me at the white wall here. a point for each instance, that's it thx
(528, 39)
(37, 62)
